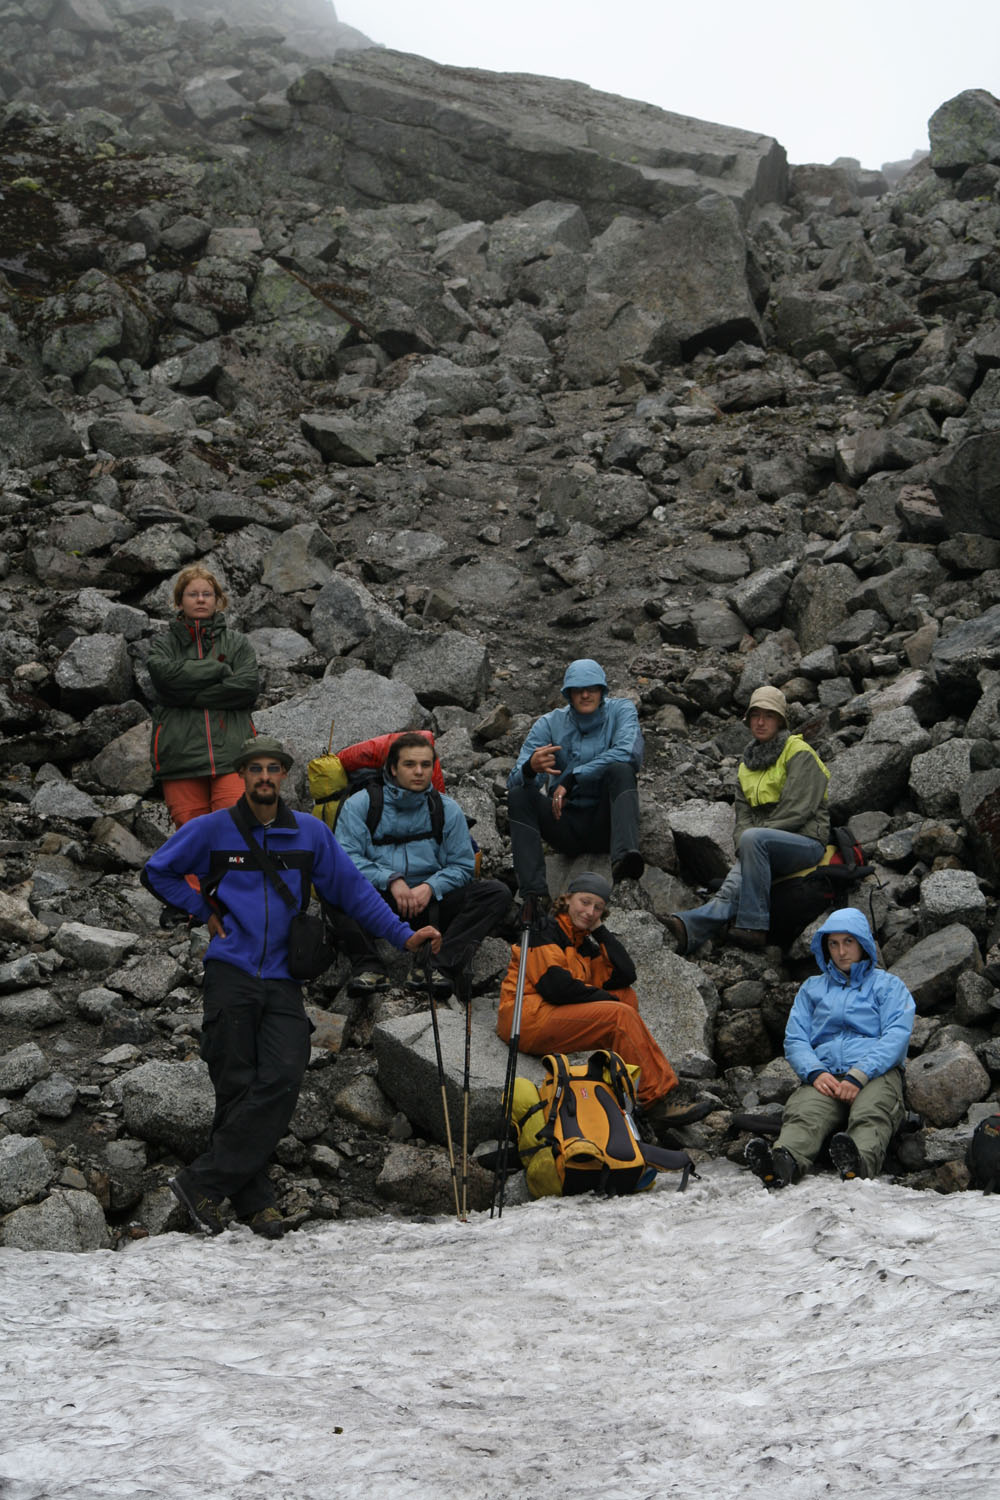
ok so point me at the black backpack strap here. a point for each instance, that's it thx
(669, 1161)
(376, 804)
(264, 862)
(555, 1063)
(437, 814)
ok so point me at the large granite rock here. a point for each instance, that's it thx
(663, 291)
(373, 124)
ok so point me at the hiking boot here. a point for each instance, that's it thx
(748, 937)
(269, 1223)
(846, 1157)
(205, 1212)
(441, 984)
(786, 1168)
(367, 982)
(668, 1112)
(679, 933)
(776, 1169)
(629, 867)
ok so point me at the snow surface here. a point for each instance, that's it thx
(831, 1339)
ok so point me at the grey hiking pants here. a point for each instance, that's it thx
(871, 1121)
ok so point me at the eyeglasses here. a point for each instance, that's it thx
(271, 769)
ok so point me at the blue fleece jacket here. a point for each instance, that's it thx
(588, 743)
(855, 1024)
(444, 867)
(255, 917)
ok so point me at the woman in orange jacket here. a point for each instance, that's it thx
(578, 995)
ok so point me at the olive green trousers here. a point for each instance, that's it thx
(871, 1120)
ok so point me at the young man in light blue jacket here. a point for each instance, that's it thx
(847, 1038)
(419, 856)
(574, 782)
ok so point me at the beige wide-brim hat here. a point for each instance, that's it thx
(772, 699)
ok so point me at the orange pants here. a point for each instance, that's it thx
(599, 1023)
(197, 795)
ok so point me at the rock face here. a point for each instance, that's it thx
(385, 126)
(451, 378)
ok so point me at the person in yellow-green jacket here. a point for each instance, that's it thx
(782, 825)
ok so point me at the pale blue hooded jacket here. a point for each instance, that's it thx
(445, 867)
(589, 743)
(855, 1024)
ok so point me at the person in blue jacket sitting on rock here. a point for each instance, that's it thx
(418, 854)
(574, 783)
(847, 1037)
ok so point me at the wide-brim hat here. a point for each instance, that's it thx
(770, 698)
(262, 744)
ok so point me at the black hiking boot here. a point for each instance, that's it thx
(269, 1223)
(441, 983)
(776, 1169)
(786, 1167)
(205, 1212)
(367, 982)
(630, 867)
(846, 1157)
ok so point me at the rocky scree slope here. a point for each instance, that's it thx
(738, 433)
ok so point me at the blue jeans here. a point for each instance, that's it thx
(744, 897)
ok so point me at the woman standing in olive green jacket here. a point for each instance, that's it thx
(782, 825)
(205, 678)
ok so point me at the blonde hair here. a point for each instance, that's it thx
(189, 575)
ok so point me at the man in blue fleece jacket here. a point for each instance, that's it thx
(255, 1032)
(574, 782)
(847, 1036)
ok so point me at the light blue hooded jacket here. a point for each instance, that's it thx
(445, 867)
(857, 1024)
(589, 743)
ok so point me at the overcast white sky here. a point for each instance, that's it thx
(860, 78)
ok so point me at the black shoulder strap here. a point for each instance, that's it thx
(376, 804)
(264, 862)
(437, 814)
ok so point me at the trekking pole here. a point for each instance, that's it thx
(464, 988)
(507, 1098)
(426, 956)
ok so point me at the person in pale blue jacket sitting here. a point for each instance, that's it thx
(574, 783)
(847, 1037)
(420, 857)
